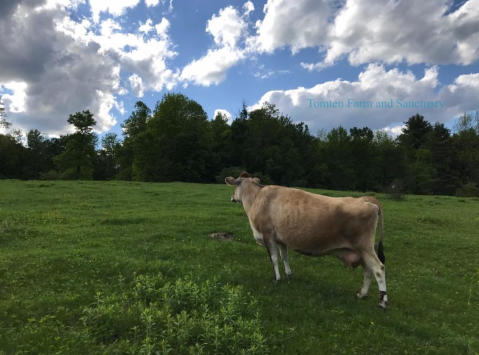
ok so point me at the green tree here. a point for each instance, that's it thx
(420, 169)
(38, 161)
(77, 160)
(106, 167)
(12, 157)
(415, 132)
(389, 163)
(465, 142)
(133, 127)
(220, 141)
(339, 160)
(176, 145)
(439, 142)
(3, 114)
(362, 158)
(267, 142)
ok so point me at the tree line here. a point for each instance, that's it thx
(177, 142)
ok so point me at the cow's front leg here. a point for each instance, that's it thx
(272, 248)
(283, 251)
(367, 282)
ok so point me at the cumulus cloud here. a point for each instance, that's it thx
(297, 24)
(152, 3)
(136, 84)
(16, 102)
(228, 28)
(146, 27)
(212, 68)
(50, 75)
(162, 28)
(113, 7)
(248, 7)
(367, 31)
(375, 84)
(58, 66)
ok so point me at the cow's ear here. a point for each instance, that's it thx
(257, 180)
(231, 181)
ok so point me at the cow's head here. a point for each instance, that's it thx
(237, 197)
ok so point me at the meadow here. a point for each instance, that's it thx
(130, 268)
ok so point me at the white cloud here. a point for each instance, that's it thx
(108, 27)
(162, 28)
(225, 113)
(297, 24)
(211, 69)
(53, 4)
(106, 101)
(424, 35)
(146, 27)
(248, 7)
(145, 56)
(227, 28)
(264, 74)
(113, 7)
(393, 131)
(152, 3)
(16, 102)
(367, 31)
(376, 84)
(56, 74)
(136, 84)
(58, 66)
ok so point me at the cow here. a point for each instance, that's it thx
(314, 225)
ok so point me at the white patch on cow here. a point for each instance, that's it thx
(274, 259)
(257, 236)
(283, 251)
(366, 284)
(377, 268)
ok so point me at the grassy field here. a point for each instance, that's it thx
(130, 268)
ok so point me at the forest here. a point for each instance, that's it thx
(176, 142)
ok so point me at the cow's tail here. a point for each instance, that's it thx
(373, 200)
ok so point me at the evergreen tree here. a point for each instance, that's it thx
(415, 132)
(439, 142)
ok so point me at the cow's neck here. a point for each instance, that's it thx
(249, 193)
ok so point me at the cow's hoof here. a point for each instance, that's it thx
(361, 296)
(276, 281)
(289, 276)
(383, 305)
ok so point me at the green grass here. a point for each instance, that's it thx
(129, 268)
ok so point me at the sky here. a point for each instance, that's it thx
(323, 62)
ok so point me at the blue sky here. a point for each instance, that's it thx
(62, 56)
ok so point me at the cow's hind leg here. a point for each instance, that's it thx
(283, 251)
(271, 245)
(377, 268)
(367, 281)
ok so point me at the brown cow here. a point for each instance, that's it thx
(314, 225)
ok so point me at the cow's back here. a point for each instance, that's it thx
(309, 222)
